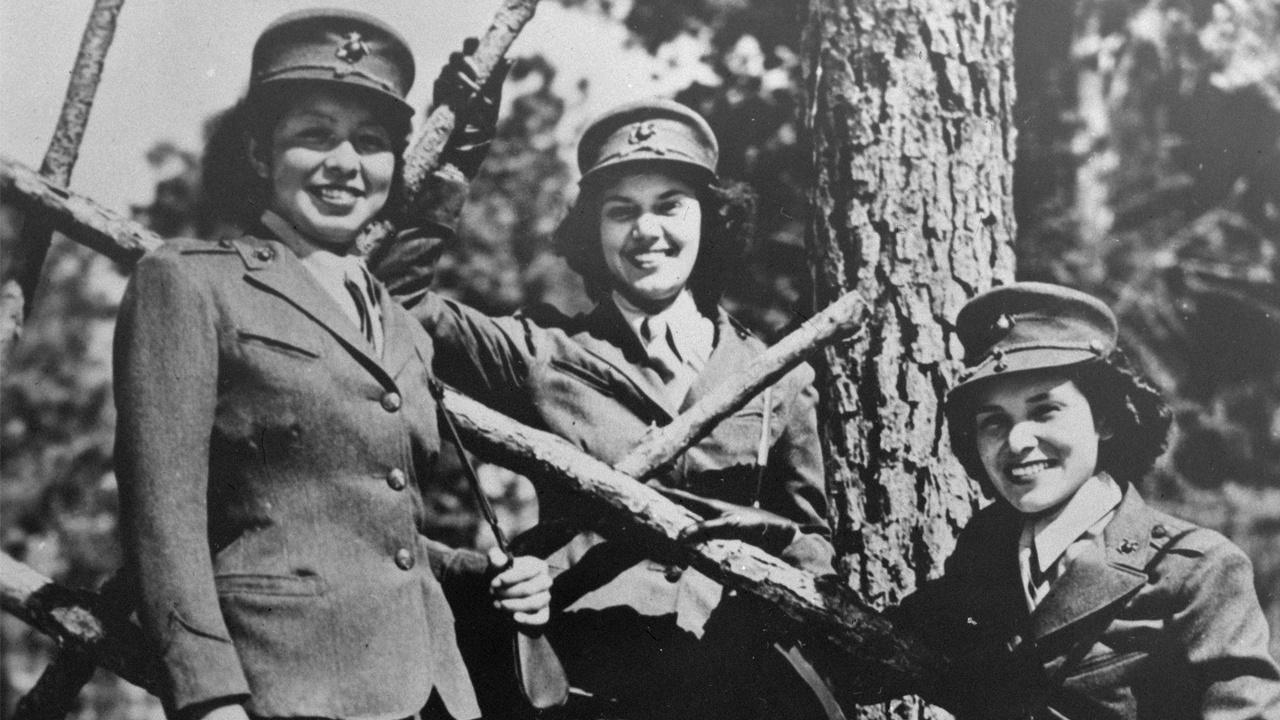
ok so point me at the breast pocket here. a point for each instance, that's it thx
(579, 374)
(263, 584)
(277, 340)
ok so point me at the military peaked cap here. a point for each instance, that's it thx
(335, 46)
(649, 130)
(1031, 326)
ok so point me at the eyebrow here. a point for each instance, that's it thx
(1038, 397)
(317, 114)
(664, 196)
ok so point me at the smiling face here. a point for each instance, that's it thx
(1037, 438)
(330, 166)
(650, 230)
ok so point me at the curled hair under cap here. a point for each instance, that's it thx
(728, 215)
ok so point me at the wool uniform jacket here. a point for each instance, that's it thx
(271, 469)
(1157, 619)
(588, 379)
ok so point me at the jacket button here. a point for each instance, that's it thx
(1159, 531)
(396, 479)
(404, 559)
(391, 401)
(673, 573)
(265, 254)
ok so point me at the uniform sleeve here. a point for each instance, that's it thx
(796, 471)
(1223, 633)
(485, 357)
(464, 574)
(166, 367)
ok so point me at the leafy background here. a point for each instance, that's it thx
(1148, 173)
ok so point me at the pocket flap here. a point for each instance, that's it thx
(291, 342)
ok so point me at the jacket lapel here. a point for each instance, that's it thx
(1107, 569)
(730, 353)
(608, 337)
(996, 595)
(398, 334)
(274, 268)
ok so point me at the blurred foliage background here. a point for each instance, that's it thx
(1148, 173)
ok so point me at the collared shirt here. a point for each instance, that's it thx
(692, 332)
(1083, 516)
(678, 340)
(332, 271)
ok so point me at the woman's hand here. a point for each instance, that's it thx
(476, 106)
(522, 588)
(725, 520)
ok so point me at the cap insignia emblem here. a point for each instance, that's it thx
(641, 132)
(1004, 323)
(353, 48)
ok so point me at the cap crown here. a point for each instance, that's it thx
(649, 130)
(1029, 326)
(338, 46)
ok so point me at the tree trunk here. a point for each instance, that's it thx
(909, 111)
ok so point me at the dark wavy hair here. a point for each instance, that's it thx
(1122, 400)
(232, 190)
(728, 221)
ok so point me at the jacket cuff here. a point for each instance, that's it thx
(201, 668)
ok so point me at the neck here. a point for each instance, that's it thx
(301, 244)
(647, 306)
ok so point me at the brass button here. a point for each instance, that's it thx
(265, 254)
(672, 573)
(396, 479)
(391, 401)
(225, 244)
(1159, 531)
(404, 559)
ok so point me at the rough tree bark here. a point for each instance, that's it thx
(909, 111)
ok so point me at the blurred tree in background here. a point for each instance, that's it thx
(1148, 172)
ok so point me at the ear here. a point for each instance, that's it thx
(1105, 431)
(257, 157)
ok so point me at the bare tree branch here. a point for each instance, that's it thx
(75, 619)
(23, 273)
(661, 445)
(424, 156)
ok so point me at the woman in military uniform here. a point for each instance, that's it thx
(1069, 597)
(275, 425)
(656, 236)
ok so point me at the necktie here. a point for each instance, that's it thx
(368, 314)
(661, 346)
(1039, 581)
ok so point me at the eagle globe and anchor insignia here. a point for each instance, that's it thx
(352, 49)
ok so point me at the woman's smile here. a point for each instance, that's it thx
(339, 197)
(1029, 471)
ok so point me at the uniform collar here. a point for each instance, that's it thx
(693, 333)
(1086, 512)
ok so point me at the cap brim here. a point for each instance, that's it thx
(612, 170)
(1021, 362)
(370, 90)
